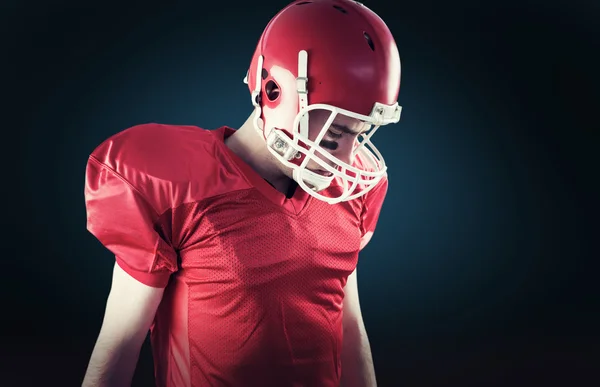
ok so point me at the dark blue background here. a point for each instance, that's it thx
(479, 272)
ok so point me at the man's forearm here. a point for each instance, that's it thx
(357, 360)
(111, 366)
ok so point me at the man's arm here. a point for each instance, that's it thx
(357, 361)
(130, 310)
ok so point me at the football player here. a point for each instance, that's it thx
(238, 249)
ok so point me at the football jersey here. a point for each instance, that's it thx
(254, 280)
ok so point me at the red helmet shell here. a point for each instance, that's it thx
(353, 60)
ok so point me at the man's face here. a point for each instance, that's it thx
(340, 139)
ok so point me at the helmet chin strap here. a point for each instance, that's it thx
(313, 180)
(281, 149)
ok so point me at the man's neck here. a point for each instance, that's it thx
(247, 144)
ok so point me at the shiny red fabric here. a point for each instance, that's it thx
(254, 281)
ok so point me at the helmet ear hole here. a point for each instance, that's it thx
(272, 90)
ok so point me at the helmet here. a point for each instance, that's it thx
(334, 55)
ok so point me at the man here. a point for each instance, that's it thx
(238, 248)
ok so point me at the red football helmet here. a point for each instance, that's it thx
(335, 55)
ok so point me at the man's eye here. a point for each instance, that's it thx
(333, 134)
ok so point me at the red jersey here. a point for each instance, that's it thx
(254, 280)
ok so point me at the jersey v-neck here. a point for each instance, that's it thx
(294, 205)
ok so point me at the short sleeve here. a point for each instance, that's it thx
(373, 201)
(126, 224)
